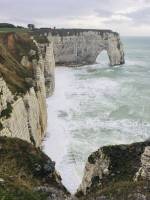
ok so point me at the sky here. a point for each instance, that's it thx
(128, 17)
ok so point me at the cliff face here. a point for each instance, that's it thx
(26, 79)
(79, 47)
(117, 172)
(49, 67)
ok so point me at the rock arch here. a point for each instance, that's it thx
(103, 58)
(81, 46)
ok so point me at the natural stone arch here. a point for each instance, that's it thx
(102, 57)
(80, 47)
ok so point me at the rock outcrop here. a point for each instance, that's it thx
(81, 46)
(49, 67)
(116, 173)
(144, 171)
(27, 78)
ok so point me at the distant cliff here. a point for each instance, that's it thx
(82, 46)
(26, 78)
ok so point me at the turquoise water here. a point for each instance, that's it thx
(98, 105)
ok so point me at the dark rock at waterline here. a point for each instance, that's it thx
(62, 114)
(45, 168)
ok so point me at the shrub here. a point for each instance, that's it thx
(6, 113)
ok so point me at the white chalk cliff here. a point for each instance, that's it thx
(80, 46)
(25, 116)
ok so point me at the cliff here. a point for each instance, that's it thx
(116, 173)
(82, 46)
(31, 174)
(26, 78)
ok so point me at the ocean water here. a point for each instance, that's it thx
(98, 105)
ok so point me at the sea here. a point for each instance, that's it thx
(98, 105)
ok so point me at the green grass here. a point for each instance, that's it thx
(40, 39)
(7, 30)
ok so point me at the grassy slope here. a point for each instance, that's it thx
(17, 30)
(12, 48)
(17, 43)
(14, 44)
(23, 167)
(13, 73)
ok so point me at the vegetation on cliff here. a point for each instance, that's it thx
(26, 172)
(13, 72)
(125, 190)
(110, 174)
(18, 44)
(41, 39)
(7, 112)
(12, 48)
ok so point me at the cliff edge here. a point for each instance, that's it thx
(118, 172)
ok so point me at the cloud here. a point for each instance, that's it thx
(140, 16)
(118, 19)
(111, 14)
(103, 13)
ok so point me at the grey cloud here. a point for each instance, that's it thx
(141, 16)
(64, 13)
(32, 10)
(103, 13)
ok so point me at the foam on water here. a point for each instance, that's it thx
(95, 106)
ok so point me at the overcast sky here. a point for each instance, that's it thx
(128, 17)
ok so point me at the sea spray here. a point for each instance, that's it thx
(98, 105)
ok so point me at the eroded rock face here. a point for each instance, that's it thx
(144, 171)
(27, 119)
(24, 115)
(49, 70)
(48, 64)
(113, 169)
(5, 95)
(95, 170)
(81, 47)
